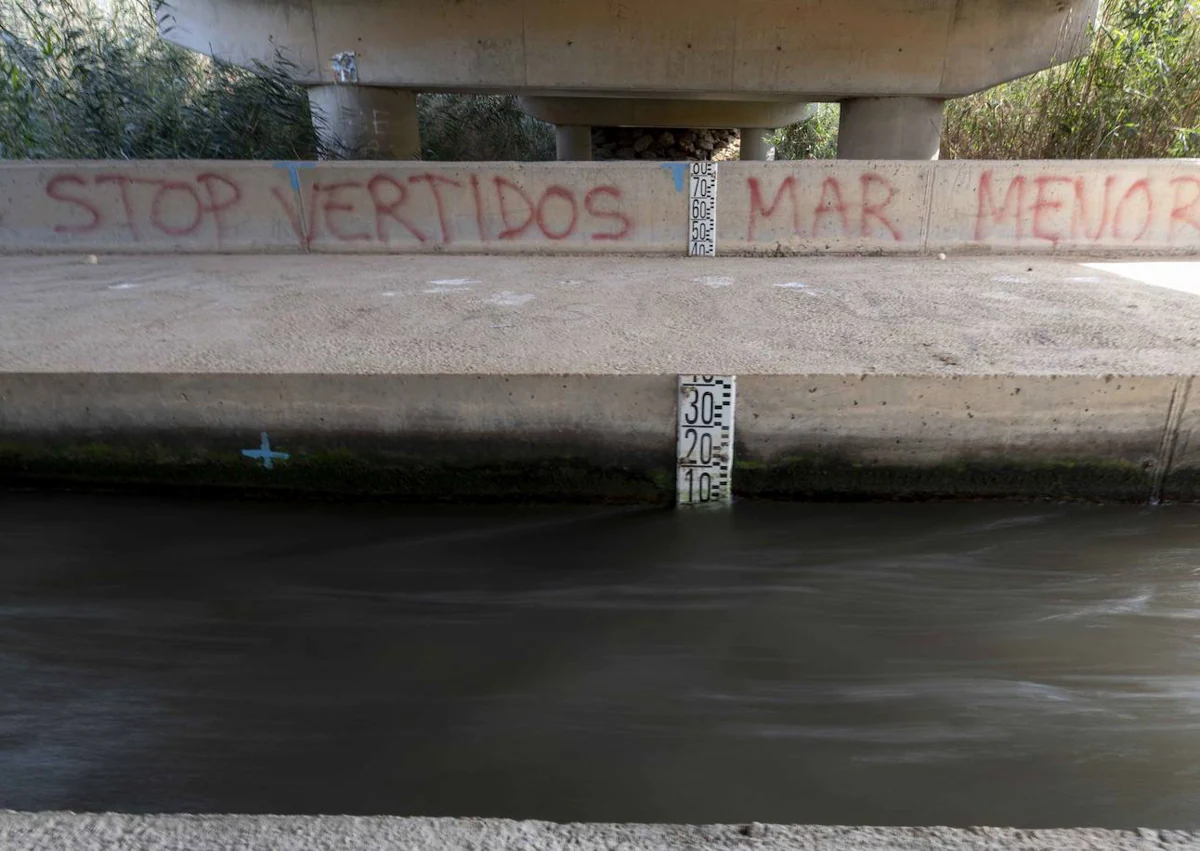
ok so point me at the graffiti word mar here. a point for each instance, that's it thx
(855, 208)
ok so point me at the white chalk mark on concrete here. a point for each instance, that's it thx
(714, 281)
(123, 286)
(450, 285)
(1083, 279)
(508, 298)
(792, 285)
(1010, 279)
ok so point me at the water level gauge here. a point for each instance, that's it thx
(705, 438)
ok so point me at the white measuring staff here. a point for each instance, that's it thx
(705, 438)
(702, 216)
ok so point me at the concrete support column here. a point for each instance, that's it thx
(367, 122)
(893, 128)
(754, 143)
(573, 142)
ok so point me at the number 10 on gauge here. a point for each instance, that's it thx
(705, 438)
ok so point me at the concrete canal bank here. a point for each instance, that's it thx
(529, 378)
(72, 832)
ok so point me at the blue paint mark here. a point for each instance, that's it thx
(264, 452)
(293, 173)
(679, 170)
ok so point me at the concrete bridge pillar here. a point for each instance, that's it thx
(573, 142)
(890, 128)
(755, 145)
(367, 122)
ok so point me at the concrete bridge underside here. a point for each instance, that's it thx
(752, 65)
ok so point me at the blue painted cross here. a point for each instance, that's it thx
(264, 452)
(293, 173)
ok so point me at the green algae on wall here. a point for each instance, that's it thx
(331, 470)
(810, 477)
(338, 469)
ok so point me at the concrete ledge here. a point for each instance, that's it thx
(602, 438)
(484, 378)
(76, 832)
(810, 207)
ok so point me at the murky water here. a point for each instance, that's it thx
(957, 664)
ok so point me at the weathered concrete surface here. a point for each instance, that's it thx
(603, 315)
(553, 378)
(367, 122)
(826, 49)
(822, 206)
(573, 437)
(342, 207)
(72, 832)
(897, 128)
(651, 112)
(1064, 206)
(755, 144)
(893, 207)
(151, 206)
(517, 438)
(573, 142)
(1181, 442)
(917, 436)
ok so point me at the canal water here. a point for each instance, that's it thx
(1027, 665)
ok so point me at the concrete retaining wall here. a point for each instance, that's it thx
(601, 438)
(153, 206)
(918, 436)
(77, 832)
(1120, 207)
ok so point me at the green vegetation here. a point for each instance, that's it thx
(78, 80)
(481, 127)
(1137, 94)
(814, 139)
(479, 472)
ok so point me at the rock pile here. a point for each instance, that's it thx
(644, 143)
